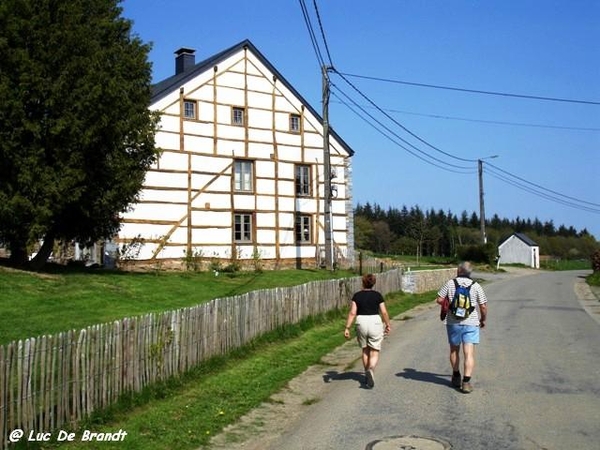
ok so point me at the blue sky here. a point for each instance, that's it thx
(532, 48)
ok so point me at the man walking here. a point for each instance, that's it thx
(466, 315)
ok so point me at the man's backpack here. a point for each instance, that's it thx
(460, 305)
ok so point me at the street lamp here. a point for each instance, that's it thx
(481, 206)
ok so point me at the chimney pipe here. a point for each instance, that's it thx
(184, 60)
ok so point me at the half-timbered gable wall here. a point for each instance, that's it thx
(241, 170)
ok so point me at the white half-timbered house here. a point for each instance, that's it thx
(241, 173)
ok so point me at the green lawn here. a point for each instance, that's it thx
(34, 304)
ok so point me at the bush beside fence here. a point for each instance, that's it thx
(52, 382)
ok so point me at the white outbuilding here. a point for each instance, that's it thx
(519, 249)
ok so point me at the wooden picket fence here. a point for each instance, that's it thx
(52, 382)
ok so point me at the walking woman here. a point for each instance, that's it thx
(368, 308)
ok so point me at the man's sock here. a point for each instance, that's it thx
(466, 379)
(456, 373)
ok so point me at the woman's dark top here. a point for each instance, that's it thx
(367, 302)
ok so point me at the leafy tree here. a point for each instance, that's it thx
(76, 135)
(363, 232)
(382, 237)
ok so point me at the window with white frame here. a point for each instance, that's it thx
(242, 227)
(302, 180)
(238, 116)
(303, 229)
(190, 108)
(295, 123)
(242, 175)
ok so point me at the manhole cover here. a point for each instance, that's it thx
(409, 443)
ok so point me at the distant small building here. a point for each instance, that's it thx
(519, 249)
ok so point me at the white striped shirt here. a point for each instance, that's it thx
(477, 298)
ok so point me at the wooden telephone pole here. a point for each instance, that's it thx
(327, 171)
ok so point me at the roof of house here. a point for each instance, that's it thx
(168, 85)
(523, 238)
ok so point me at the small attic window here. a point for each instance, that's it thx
(190, 109)
(295, 123)
(237, 116)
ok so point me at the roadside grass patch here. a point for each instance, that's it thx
(593, 279)
(35, 304)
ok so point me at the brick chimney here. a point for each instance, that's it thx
(184, 60)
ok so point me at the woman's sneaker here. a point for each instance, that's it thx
(457, 381)
(466, 388)
(370, 378)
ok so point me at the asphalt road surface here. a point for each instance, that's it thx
(536, 381)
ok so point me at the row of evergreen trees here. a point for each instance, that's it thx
(421, 232)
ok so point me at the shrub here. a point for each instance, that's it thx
(596, 261)
(478, 253)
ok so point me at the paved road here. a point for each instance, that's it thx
(537, 380)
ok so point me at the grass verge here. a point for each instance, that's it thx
(34, 304)
(184, 413)
(593, 279)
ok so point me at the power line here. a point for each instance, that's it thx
(399, 124)
(520, 182)
(542, 194)
(322, 32)
(311, 33)
(516, 181)
(445, 166)
(491, 122)
(473, 91)
(541, 187)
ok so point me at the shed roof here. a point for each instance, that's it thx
(168, 85)
(523, 238)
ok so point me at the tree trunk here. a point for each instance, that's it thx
(42, 255)
(18, 254)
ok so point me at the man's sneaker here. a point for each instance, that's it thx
(456, 381)
(370, 378)
(466, 388)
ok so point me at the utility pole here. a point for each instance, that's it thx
(481, 206)
(327, 171)
(481, 203)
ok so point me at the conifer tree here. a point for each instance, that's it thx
(76, 135)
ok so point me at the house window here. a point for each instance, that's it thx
(295, 123)
(242, 175)
(237, 116)
(303, 181)
(303, 229)
(189, 109)
(242, 227)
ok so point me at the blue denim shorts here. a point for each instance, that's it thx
(462, 334)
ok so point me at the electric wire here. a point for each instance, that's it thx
(520, 183)
(444, 166)
(491, 122)
(311, 33)
(322, 32)
(473, 91)
(541, 187)
(398, 123)
(542, 194)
